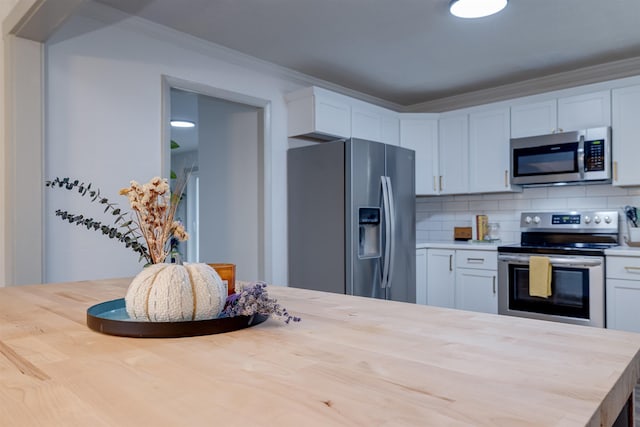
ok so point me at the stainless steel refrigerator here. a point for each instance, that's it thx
(351, 219)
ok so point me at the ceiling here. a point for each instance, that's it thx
(408, 52)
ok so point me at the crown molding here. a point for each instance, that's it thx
(568, 79)
(37, 20)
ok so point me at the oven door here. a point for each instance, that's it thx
(577, 289)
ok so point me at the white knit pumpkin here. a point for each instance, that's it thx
(174, 293)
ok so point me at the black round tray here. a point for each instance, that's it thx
(110, 317)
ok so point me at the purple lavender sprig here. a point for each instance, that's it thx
(253, 299)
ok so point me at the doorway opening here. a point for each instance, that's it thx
(223, 157)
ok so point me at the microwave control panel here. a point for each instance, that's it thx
(594, 156)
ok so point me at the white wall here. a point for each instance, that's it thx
(5, 8)
(437, 215)
(104, 125)
(229, 198)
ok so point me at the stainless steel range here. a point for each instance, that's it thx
(574, 243)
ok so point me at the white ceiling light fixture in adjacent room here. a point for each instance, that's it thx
(476, 8)
(182, 123)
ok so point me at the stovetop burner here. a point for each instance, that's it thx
(566, 233)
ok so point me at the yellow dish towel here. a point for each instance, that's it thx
(539, 276)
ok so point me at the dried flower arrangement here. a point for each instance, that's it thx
(155, 207)
(149, 230)
(152, 226)
(253, 299)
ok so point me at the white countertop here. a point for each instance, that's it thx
(478, 246)
(623, 251)
(617, 251)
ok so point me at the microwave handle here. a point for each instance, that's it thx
(581, 156)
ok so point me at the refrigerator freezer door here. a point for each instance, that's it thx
(365, 164)
(400, 170)
(316, 183)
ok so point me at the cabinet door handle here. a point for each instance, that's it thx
(494, 285)
(440, 182)
(450, 262)
(632, 269)
(615, 171)
(435, 187)
(475, 260)
(506, 178)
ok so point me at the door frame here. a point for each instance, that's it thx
(264, 153)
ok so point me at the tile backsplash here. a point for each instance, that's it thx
(437, 215)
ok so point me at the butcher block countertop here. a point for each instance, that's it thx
(351, 361)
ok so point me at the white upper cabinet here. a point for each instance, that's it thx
(374, 123)
(390, 129)
(365, 123)
(537, 118)
(584, 111)
(489, 163)
(561, 115)
(420, 134)
(453, 150)
(318, 113)
(626, 135)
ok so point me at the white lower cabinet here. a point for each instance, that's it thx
(441, 277)
(623, 293)
(476, 290)
(464, 279)
(476, 281)
(421, 276)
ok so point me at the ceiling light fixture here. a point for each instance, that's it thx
(182, 124)
(476, 8)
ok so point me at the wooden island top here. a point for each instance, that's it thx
(351, 361)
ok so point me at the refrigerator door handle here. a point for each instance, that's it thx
(392, 222)
(387, 232)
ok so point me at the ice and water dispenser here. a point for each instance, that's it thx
(369, 233)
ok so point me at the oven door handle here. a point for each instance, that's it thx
(563, 262)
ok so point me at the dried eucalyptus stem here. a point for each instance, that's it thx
(124, 231)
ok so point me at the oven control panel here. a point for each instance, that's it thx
(565, 219)
(574, 221)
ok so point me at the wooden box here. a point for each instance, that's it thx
(461, 233)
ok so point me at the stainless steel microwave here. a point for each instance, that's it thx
(582, 156)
